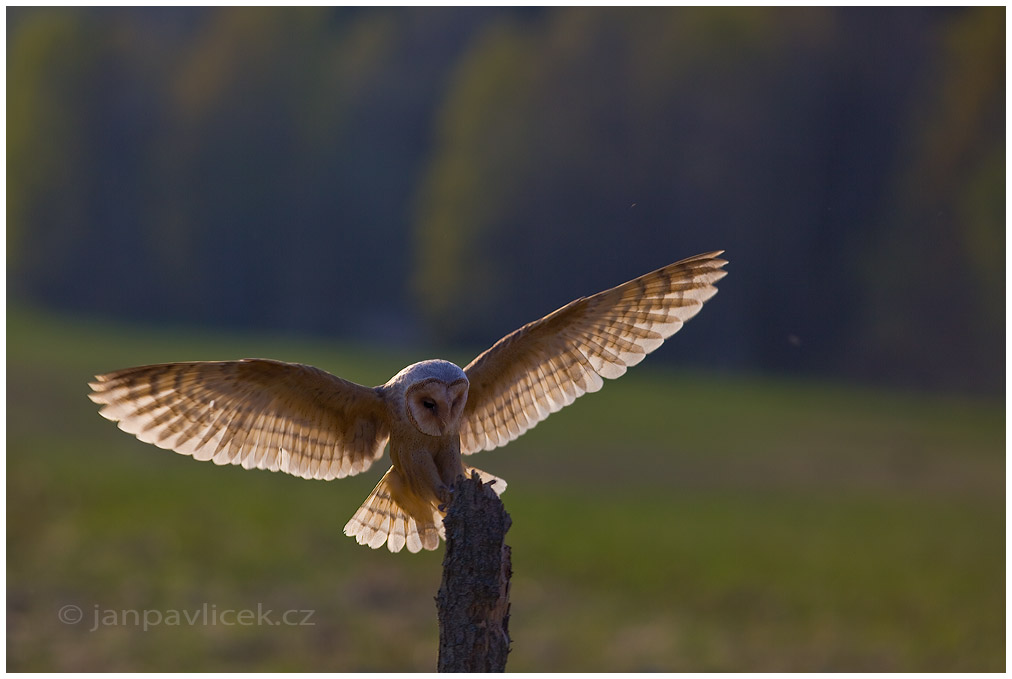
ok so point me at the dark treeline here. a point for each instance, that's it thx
(447, 174)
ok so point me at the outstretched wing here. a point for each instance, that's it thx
(547, 364)
(257, 413)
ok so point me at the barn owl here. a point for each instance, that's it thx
(295, 418)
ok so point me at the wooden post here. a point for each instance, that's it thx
(473, 603)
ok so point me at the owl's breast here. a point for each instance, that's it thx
(429, 465)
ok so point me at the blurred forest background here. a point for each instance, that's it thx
(809, 477)
(441, 176)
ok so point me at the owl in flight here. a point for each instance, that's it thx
(294, 418)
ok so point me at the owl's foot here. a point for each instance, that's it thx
(445, 494)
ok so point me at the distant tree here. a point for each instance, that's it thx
(472, 182)
(51, 62)
(245, 166)
(608, 141)
(385, 173)
(935, 277)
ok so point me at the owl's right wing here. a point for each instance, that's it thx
(547, 364)
(256, 413)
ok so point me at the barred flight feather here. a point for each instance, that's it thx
(256, 413)
(548, 364)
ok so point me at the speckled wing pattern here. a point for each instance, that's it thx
(546, 365)
(257, 413)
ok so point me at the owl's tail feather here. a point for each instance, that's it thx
(381, 519)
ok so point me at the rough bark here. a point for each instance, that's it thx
(473, 602)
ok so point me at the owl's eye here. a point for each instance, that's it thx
(428, 403)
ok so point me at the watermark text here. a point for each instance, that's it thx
(205, 615)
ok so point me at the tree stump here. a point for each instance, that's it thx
(473, 602)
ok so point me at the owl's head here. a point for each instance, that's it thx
(434, 397)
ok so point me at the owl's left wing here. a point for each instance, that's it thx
(256, 413)
(547, 364)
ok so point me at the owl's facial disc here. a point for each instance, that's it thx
(435, 407)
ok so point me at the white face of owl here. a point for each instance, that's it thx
(435, 407)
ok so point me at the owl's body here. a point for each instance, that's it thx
(298, 419)
(425, 452)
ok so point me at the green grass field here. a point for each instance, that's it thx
(669, 522)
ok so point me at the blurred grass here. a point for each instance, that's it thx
(670, 522)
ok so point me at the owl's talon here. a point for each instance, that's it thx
(444, 494)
